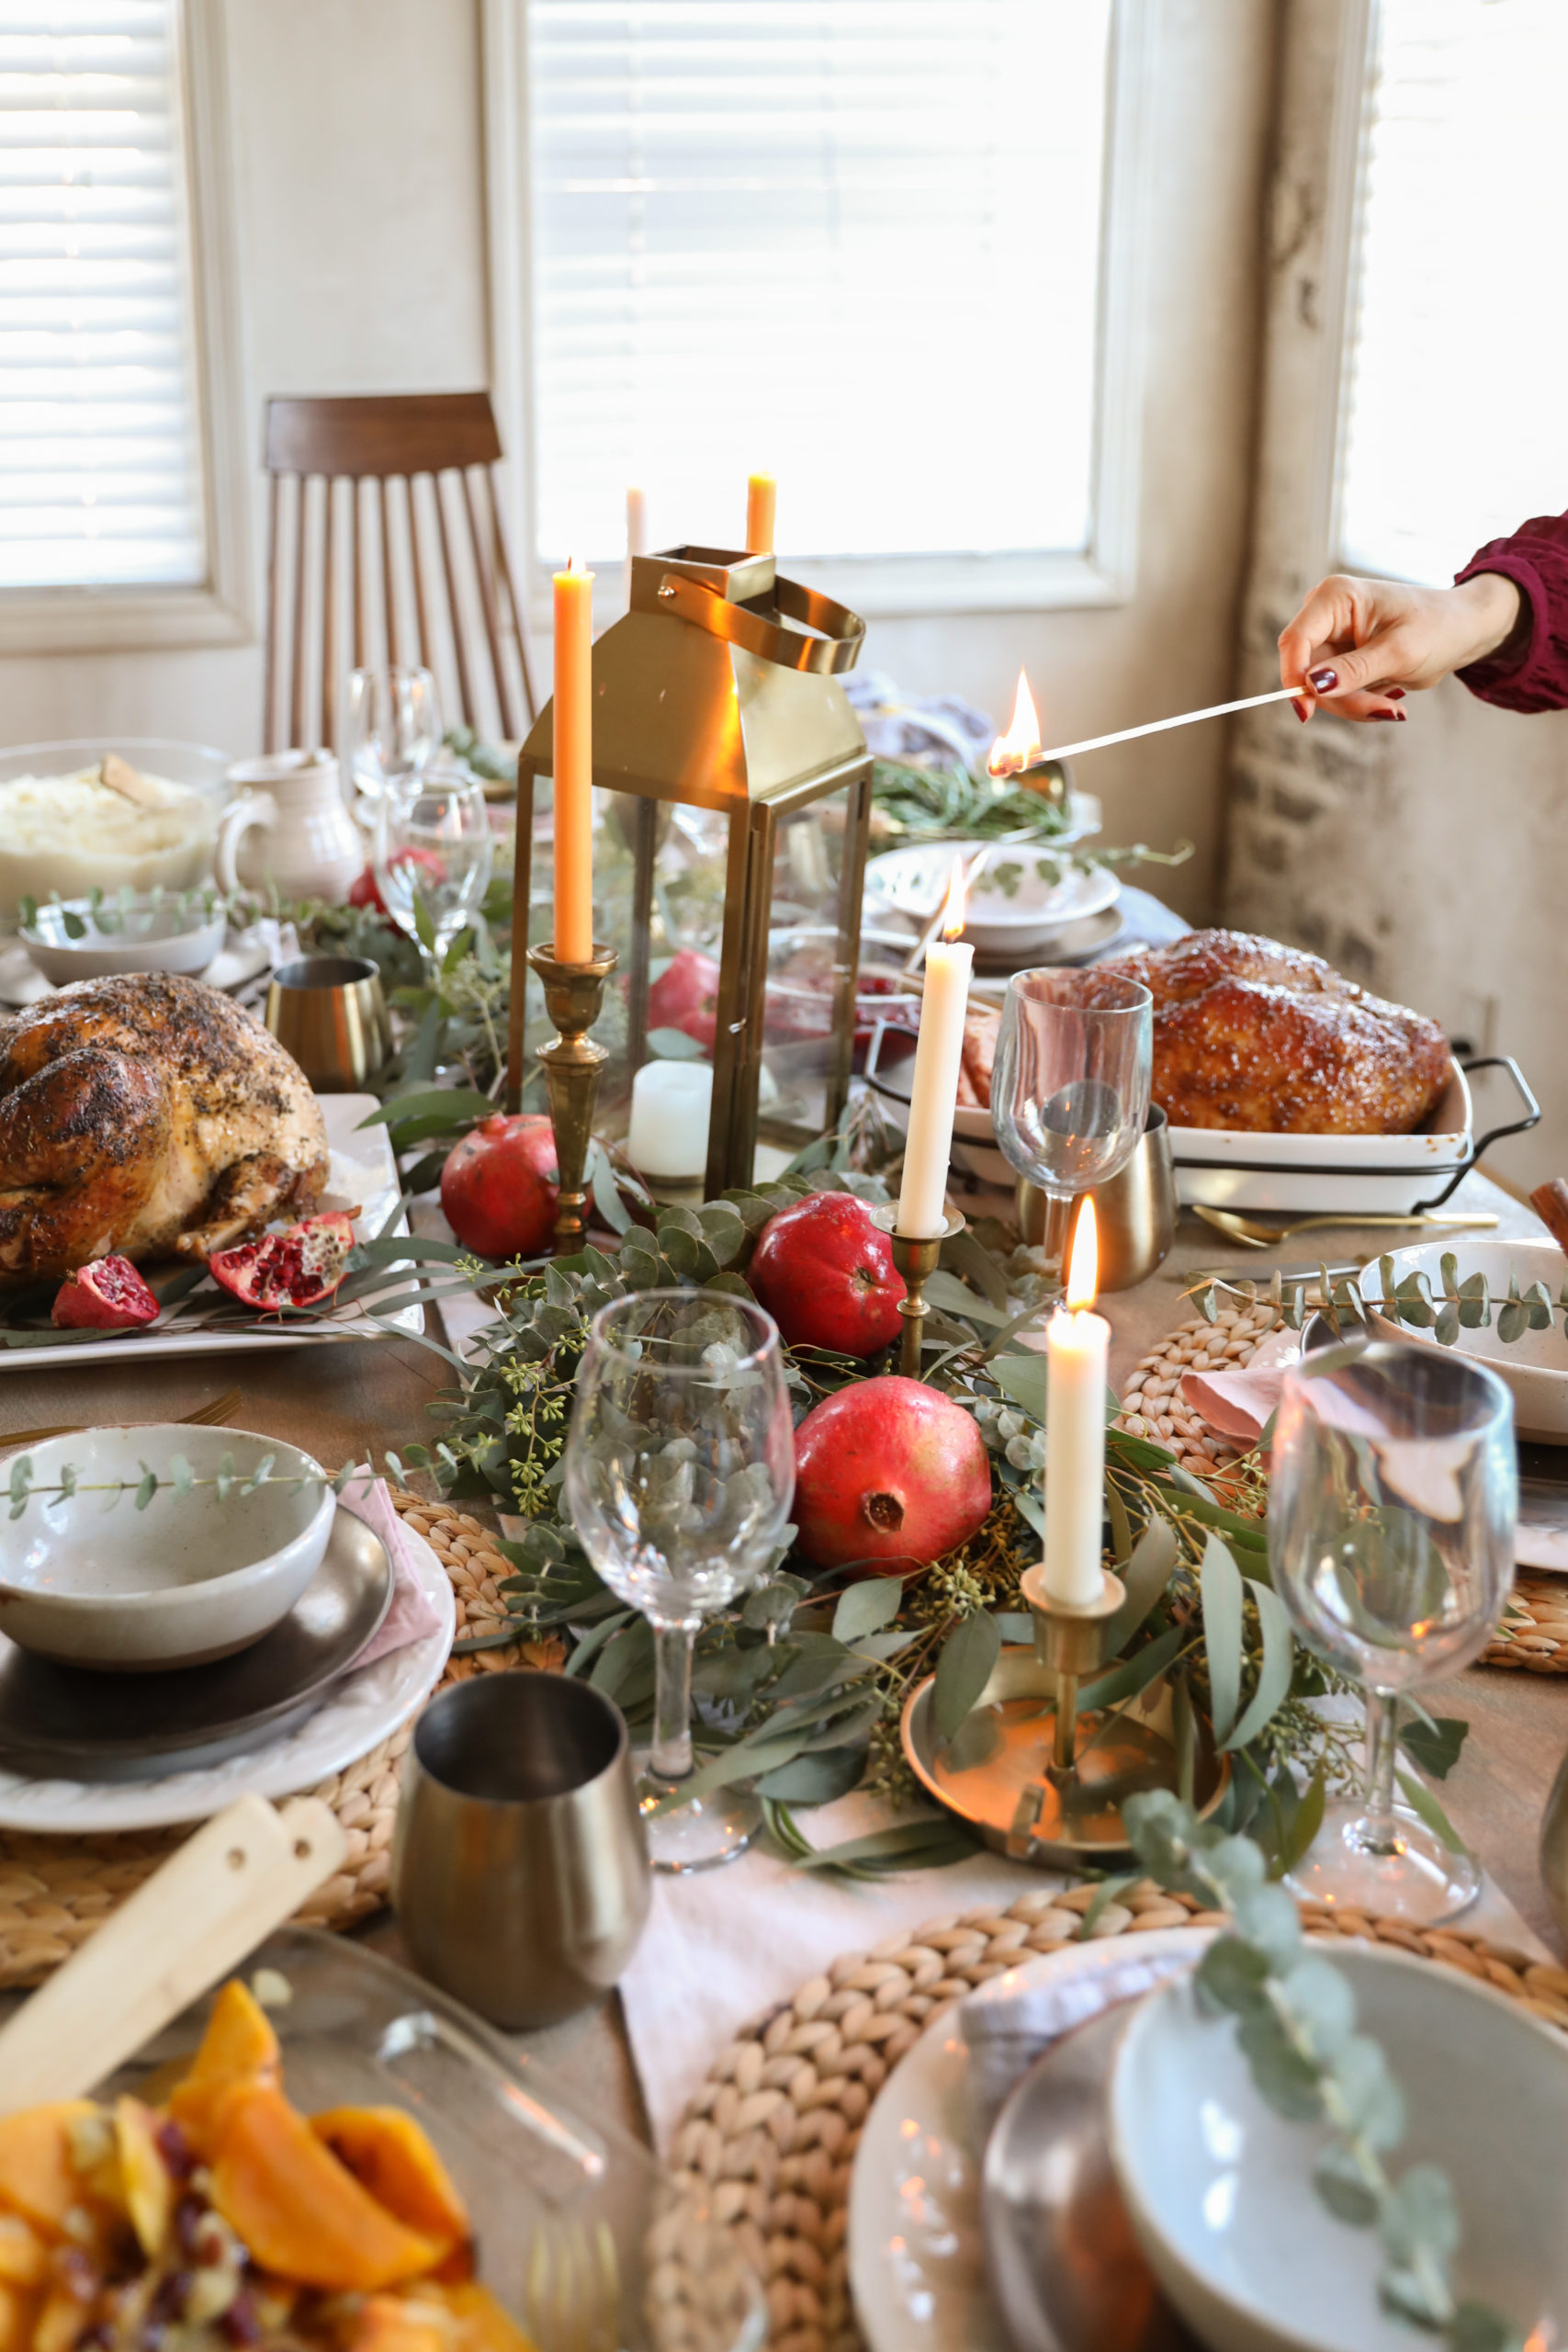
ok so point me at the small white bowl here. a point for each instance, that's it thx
(1025, 896)
(189, 1580)
(144, 939)
(1218, 2187)
(1534, 1367)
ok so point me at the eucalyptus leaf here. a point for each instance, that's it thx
(967, 1661)
(1274, 1673)
(1145, 1577)
(815, 1779)
(1421, 1801)
(673, 1045)
(1220, 1588)
(1023, 1379)
(866, 1607)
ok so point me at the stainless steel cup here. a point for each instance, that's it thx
(520, 1872)
(331, 1013)
(1135, 1214)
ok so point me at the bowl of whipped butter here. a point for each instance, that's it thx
(136, 814)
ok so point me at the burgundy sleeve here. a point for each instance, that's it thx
(1536, 559)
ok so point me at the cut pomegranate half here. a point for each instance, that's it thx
(299, 1268)
(107, 1296)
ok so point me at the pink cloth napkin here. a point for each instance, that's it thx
(1238, 1404)
(412, 1612)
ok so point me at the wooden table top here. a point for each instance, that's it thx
(340, 1401)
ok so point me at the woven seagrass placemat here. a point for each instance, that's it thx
(54, 1891)
(771, 2136)
(1533, 1637)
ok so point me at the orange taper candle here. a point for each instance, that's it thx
(761, 493)
(573, 756)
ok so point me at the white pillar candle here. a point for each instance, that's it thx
(1076, 1344)
(939, 1050)
(671, 1103)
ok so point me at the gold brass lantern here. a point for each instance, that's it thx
(732, 806)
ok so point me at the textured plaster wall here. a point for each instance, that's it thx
(1430, 860)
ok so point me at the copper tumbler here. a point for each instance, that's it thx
(520, 1872)
(1135, 1212)
(331, 1013)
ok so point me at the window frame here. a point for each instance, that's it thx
(221, 610)
(1103, 574)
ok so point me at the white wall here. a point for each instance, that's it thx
(359, 187)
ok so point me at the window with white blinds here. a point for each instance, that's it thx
(1453, 428)
(852, 242)
(100, 445)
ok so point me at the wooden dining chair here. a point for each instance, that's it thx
(387, 511)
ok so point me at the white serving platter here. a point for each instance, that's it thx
(363, 1176)
(364, 1708)
(1224, 1167)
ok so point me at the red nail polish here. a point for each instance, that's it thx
(1402, 715)
(1385, 714)
(1301, 711)
(1394, 694)
(1322, 681)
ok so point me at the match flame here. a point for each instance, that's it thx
(1083, 1265)
(954, 910)
(1019, 747)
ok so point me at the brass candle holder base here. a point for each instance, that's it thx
(574, 995)
(915, 1256)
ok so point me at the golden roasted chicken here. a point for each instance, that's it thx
(149, 1116)
(1250, 1034)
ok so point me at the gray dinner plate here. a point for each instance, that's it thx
(1066, 2271)
(61, 1724)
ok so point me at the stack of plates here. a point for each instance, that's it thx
(1029, 903)
(89, 1754)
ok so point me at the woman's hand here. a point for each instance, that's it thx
(1365, 642)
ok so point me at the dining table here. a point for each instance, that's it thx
(344, 1399)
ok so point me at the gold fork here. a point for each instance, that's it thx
(205, 1417)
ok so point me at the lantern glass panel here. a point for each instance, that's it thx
(808, 972)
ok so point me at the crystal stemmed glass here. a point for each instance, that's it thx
(433, 853)
(679, 1473)
(393, 727)
(1393, 1492)
(1070, 1089)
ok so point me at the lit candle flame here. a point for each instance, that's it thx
(572, 565)
(1083, 1265)
(1019, 747)
(952, 911)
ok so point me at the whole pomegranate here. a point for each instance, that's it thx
(888, 1476)
(107, 1296)
(299, 1268)
(685, 996)
(499, 1188)
(366, 891)
(825, 1274)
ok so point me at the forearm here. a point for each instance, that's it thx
(1494, 619)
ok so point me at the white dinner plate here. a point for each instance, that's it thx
(916, 2245)
(359, 1712)
(363, 1176)
(1534, 1368)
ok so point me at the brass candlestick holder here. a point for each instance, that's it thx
(574, 994)
(916, 1256)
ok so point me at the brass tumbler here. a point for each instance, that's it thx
(520, 1872)
(329, 1012)
(574, 996)
(1135, 1212)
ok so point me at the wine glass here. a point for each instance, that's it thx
(1070, 1088)
(433, 853)
(1392, 1492)
(679, 1473)
(393, 727)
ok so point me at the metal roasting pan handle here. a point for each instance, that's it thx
(1493, 1135)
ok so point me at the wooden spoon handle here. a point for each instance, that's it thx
(239, 1876)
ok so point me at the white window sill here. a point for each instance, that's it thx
(115, 620)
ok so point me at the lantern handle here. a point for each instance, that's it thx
(835, 650)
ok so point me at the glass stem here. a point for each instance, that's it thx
(1053, 1239)
(1381, 1824)
(670, 1757)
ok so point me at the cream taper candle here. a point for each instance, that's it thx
(939, 1051)
(1076, 1344)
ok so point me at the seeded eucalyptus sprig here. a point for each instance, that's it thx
(1297, 2027)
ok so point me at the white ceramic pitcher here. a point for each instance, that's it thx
(293, 831)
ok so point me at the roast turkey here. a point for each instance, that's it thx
(1268, 1039)
(149, 1116)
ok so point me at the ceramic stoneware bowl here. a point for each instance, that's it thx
(1218, 2187)
(74, 941)
(185, 1581)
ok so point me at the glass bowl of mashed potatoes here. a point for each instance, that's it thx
(66, 831)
